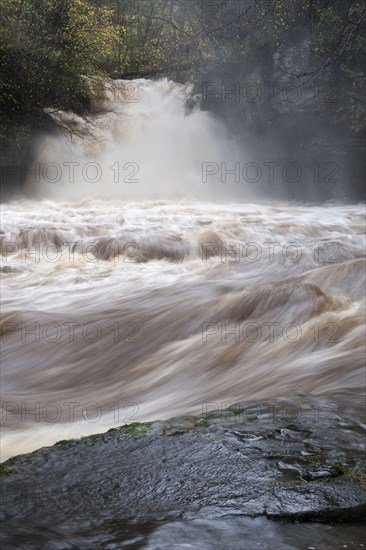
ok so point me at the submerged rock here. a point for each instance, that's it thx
(159, 484)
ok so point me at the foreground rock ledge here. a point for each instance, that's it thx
(120, 486)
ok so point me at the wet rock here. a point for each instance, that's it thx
(320, 473)
(133, 482)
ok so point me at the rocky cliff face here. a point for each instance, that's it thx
(282, 110)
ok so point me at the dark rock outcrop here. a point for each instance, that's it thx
(225, 479)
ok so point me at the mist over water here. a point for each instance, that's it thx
(144, 140)
(137, 300)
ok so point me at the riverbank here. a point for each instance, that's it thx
(249, 470)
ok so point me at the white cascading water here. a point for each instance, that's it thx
(137, 144)
(137, 301)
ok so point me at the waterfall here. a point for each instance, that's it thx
(144, 139)
(158, 294)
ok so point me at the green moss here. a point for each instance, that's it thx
(294, 482)
(203, 422)
(357, 476)
(351, 474)
(65, 441)
(6, 470)
(341, 469)
(135, 429)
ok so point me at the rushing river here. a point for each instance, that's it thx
(123, 308)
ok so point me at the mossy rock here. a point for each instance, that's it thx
(65, 441)
(135, 429)
(6, 470)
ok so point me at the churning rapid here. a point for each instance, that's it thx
(120, 307)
